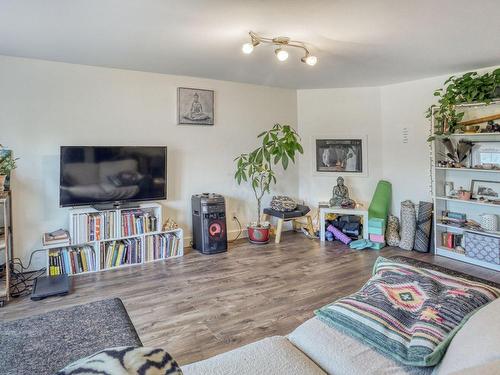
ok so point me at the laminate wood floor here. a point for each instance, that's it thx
(198, 306)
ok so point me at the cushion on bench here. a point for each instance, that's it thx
(298, 212)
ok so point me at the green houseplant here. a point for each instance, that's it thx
(7, 164)
(280, 145)
(468, 88)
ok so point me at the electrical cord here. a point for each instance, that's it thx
(21, 279)
(239, 231)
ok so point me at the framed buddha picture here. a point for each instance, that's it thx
(195, 106)
(340, 155)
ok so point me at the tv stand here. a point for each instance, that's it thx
(119, 236)
(116, 206)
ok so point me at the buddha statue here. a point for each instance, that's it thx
(340, 195)
(196, 112)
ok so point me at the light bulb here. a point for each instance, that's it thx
(311, 60)
(281, 54)
(247, 48)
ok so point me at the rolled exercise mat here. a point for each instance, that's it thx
(381, 201)
(408, 225)
(423, 233)
(339, 235)
(392, 232)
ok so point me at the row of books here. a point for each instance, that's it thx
(72, 260)
(161, 246)
(454, 218)
(95, 226)
(138, 222)
(117, 253)
(452, 240)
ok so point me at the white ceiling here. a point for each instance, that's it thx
(358, 43)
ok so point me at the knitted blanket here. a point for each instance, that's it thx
(409, 313)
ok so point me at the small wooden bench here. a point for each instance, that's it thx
(299, 218)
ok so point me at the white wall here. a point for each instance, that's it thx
(44, 105)
(382, 114)
(338, 113)
(407, 165)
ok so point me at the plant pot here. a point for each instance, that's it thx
(259, 235)
(2, 182)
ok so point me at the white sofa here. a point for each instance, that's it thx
(315, 348)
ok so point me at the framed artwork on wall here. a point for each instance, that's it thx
(486, 190)
(486, 155)
(195, 106)
(341, 155)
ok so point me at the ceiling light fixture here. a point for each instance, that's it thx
(280, 52)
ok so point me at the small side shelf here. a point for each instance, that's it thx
(471, 201)
(457, 256)
(461, 229)
(479, 170)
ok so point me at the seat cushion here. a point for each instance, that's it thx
(337, 353)
(476, 344)
(273, 355)
(298, 212)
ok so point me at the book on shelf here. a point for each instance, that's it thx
(72, 260)
(122, 252)
(452, 241)
(160, 246)
(138, 222)
(95, 226)
(58, 237)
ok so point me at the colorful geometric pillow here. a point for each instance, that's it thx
(409, 313)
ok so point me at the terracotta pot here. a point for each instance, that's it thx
(258, 235)
(2, 182)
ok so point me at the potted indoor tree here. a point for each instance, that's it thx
(7, 164)
(279, 145)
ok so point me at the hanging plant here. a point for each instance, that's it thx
(468, 88)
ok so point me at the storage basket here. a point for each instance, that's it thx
(482, 247)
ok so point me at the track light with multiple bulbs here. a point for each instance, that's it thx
(281, 42)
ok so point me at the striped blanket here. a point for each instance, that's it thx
(409, 313)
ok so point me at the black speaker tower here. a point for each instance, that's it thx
(209, 223)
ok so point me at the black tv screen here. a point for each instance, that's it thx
(91, 175)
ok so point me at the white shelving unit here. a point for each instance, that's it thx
(462, 177)
(154, 208)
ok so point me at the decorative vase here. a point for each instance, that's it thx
(258, 235)
(464, 194)
(489, 222)
(2, 182)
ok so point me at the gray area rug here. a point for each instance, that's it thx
(44, 344)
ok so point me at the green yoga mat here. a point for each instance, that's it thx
(381, 201)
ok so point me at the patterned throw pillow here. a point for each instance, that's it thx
(283, 203)
(409, 313)
(125, 361)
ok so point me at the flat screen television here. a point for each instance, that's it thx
(100, 175)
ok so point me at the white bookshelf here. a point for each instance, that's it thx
(76, 214)
(462, 177)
